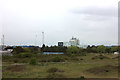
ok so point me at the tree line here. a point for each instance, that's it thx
(67, 50)
(77, 50)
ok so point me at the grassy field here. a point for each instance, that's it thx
(89, 66)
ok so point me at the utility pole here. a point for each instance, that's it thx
(42, 37)
(3, 42)
(35, 39)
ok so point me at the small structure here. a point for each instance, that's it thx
(72, 42)
(7, 52)
(67, 44)
(60, 43)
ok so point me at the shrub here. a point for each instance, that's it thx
(81, 59)
(57, 59)
(52, 70)
(73, 55)
(93, 58)
(75, 59)
(18, 50)
(15, 60)
(100, 57)
(24, 60)
(25, 55)
(16, 68)
(51, 76)
(72, 49)
(82, 77)
(41, 64)
(106, 70)
(55, 75)
(33, 61)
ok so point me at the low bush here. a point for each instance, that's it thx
(73, 55)
(25, 55)
(33, 61)
(81, 59)
(82, 77)
(52, 70)
(100, 57)
(75, 59)
(55, 75)
(15, 60)
(25, 60)
(16, 68)
(57, 59)
(41, 64)
(102, 69)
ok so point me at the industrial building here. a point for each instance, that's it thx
(66, 44)
(72, 42)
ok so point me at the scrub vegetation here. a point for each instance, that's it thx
(93, 62)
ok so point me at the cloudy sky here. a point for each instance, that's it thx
(92, 21)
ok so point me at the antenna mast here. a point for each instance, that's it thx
(35, 39)
(42, 37)
(3, 42)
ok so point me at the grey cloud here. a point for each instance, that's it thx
(94, 10)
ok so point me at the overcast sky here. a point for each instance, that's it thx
(92, 21)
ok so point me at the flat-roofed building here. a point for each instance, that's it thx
(74, 41)
(60, 43)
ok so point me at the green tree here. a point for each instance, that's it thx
(94, 49)
(108, 50)
(101, 49)
(119, 49)
(43, 48)
(72, 50)
(113, 49)
(18, 50)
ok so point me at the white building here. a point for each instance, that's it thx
(74, 42)
(67, 44)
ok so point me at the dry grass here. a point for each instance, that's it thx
(103, 69)
(16, 68)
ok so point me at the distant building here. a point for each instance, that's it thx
(74, 42)
(71, 42)
(60, 43)
(67, 44)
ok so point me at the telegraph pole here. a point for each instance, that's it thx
(35, 39)
(42, 37)
(3, 42)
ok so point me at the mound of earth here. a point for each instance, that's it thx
(16, 68)
(102, 69)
